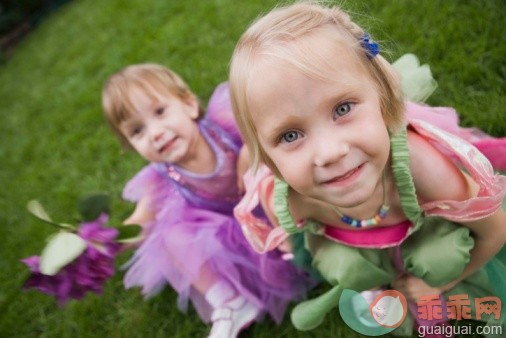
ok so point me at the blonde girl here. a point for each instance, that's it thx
(383, 199)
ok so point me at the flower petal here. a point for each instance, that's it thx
(62, 249)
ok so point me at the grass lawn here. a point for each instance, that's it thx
(55, 145)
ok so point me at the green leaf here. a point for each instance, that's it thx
(61, 250)
(129, 233)
(38, 211)
(91, 206)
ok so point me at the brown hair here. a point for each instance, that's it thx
(155, 80)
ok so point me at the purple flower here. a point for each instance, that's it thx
(88, 272)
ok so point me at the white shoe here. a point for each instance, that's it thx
(232, 317)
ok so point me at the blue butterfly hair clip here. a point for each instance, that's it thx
(372, 48)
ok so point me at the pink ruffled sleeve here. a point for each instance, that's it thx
(492, 186)
(260, 234)
(447, 119)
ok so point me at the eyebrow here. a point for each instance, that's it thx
(290, 122)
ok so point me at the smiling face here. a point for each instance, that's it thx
(325, 136)
(162, 128)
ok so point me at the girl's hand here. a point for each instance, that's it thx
(142, 214)
(413, 287)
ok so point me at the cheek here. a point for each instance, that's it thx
(294, 172)
(140, 146)
(135, 143)
(377, 138)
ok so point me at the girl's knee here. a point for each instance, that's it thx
(439, 253)
(353, 268)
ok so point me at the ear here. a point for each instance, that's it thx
(192, 105)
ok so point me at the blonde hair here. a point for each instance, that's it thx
(153, 79)
(278, 34)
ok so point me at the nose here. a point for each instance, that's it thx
(155, 132)
(329, 148)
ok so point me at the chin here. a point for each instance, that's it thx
(348, 200)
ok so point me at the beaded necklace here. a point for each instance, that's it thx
(361, 223)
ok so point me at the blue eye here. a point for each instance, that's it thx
(342, 109)
(289, 137)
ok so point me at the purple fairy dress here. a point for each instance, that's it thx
(194, 225)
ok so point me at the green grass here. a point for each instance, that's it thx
(55, 146)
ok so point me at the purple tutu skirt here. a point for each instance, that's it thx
(183, 238)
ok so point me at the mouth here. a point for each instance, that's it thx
(346, 177)
(167, 146)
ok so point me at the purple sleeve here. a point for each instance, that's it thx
(148, 181)
(219, 110)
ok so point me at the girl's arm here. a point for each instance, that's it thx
(242, 167)
(438, 178)
(489, 237)
(142, 213)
